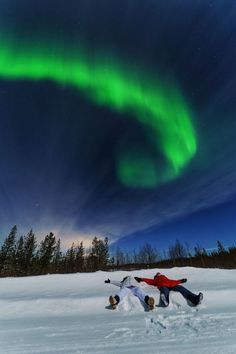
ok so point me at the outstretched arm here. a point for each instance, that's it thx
(171, 282)
(146, 280)
(113, 282)
(149, 281)
(116, 283)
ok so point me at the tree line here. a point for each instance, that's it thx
(177, 255)
(25, 256)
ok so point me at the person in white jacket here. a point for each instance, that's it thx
(129, 286)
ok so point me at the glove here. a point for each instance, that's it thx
(107, 281)
(138, 279)
(183, 280)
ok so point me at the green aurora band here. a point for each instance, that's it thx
(159, 107)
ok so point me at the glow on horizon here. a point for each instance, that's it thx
(68, 237)
(160, 107)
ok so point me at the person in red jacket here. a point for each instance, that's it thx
(165, 285)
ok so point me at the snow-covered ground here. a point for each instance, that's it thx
(69, 314)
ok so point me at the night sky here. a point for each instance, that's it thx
(117, 118)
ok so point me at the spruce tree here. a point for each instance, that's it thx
(79, 259)
(57, 259)
(30, 245)
(70, 259)
(100, 253)
(20, 257)
(46, 253)
(8, 254)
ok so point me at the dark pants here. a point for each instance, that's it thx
(188, 295)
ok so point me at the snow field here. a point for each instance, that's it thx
(70, 314)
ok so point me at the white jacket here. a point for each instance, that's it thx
(127, 282)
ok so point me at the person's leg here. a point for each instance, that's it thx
(164, 296)
(139, 293)
(114, 300)
(144, 298)
(122, 293)
(188, 295)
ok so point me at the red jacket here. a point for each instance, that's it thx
(161, 280)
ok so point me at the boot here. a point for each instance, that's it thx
(195, 300)
(114, 300)
(199, 298)
(150, 302)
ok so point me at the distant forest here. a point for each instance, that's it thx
(24, 256)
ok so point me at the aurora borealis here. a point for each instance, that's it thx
(160, 109)
(117, 118)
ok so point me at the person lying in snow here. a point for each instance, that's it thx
(166, 285)
(129, 286)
